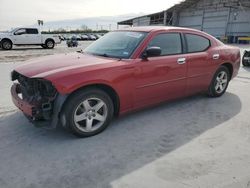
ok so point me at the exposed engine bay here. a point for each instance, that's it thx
(38, 92)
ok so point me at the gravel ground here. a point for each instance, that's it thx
(193, 142)
(25, 53)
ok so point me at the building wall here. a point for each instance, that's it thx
(239, 23)
(220, 18)
(215, 19)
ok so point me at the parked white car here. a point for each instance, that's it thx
(27, 36)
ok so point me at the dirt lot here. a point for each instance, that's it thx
(25, 53)
(194, 142)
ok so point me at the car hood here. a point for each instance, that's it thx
(4, 34)
(53, 65)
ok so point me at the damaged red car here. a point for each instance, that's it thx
(124, 71)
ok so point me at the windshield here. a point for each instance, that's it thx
(119, 44)
(12, 30)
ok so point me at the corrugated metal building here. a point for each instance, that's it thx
(229, 19)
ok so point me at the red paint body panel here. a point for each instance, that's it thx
(24, 106)
(138, 83)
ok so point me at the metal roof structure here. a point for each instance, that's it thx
(188, 3)
(130, 21)
(181, 5)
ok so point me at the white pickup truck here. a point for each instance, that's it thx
(27, 36)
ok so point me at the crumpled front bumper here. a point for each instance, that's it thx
(25, 107)
(32, 111)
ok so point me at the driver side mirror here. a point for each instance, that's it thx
(152, 52)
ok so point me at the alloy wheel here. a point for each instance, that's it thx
(50, 44)
(221, 82)
(90, 114)
(6, 45)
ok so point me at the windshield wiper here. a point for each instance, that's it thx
(103, 55)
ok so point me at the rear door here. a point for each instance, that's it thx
(33, 36)
(199, 61)
(164, 77)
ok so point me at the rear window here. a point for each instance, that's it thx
(31, 31)
(196, 43)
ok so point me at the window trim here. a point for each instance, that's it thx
(186, 43)
(181, 39)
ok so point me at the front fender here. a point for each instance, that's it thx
(2, 39)
(70, 83)
(58, 104)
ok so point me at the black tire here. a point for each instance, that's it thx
(75, 104)
(212, 91)
(6, 44)
(50, 44)
(245, 64)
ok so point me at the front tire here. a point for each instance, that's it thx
(88, 112)
(245, 63)
(246, 59)
(6, 45)
(219, 83)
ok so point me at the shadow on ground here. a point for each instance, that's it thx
(32, 158)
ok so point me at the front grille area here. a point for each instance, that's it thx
(38, 92)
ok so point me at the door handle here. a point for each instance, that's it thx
(216, 56)
(181, 61)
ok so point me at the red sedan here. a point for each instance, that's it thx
(125, 70)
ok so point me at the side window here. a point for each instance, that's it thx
(32, 31)
(196, 43)
(170, 43)
(20, 32)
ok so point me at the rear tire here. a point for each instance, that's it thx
(50, 44)
(6, 45)
(87, 112)
(219, 83)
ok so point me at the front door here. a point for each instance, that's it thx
(19, 36)
(164, 77)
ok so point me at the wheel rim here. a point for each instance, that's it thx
(90, 114)
(6, 45)
(50, 44)
(221, 82)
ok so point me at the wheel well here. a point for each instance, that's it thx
(107, 89)
(49, 40)
(230, 68)
(6, 39)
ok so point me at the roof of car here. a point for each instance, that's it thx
(156, 28)
(24, 28)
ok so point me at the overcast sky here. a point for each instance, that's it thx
(15, 13)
